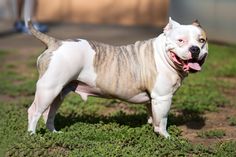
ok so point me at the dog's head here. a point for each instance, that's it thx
(186, 45)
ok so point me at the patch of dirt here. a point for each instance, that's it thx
(19, 59)
(213, 121)
(6, 98)
(216, 120)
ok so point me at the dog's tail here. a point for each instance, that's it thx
(47, 40)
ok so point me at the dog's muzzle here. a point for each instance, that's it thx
(192, 65)
(195, 51)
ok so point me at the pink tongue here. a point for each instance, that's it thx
(194, 66)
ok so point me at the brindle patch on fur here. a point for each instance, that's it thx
(125, 71)
(44, 59)
(203, 34)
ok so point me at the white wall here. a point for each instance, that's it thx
(218, 17)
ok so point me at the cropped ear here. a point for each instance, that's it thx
(172, 24)
(196, 23)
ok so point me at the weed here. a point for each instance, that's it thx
(212, 134)
(232, 121)
(225, 149)
(2, 54)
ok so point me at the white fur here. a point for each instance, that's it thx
(71, 61)
(166, 84)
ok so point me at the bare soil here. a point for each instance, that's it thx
(213, 121)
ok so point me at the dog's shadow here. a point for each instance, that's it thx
(132, 120)
(192, 119)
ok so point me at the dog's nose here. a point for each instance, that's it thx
(195, 50)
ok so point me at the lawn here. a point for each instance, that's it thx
(202, 120)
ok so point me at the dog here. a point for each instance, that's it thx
(146, 72)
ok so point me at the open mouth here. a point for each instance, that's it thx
(191, 65)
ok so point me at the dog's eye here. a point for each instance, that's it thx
(180, 40)
(201, 40)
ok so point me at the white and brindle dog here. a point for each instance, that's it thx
(147, 72)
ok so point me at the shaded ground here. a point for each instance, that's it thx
(28, 48)
(213, 120)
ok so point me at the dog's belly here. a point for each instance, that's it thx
(85, 90)
(140, 98)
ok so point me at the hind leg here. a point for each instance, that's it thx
(50, 113)
(44, 96)
(149, 112)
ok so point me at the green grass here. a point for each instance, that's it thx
(89, 131)
(212, 134)
(232, 121)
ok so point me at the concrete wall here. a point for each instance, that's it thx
(218, 17)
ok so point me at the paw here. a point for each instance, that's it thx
(51, 127)
(165, 134)
(57, 132)
(161, 132)
(149, 120)
(30, 132)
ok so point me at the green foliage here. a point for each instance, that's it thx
(14, 82)
(232, 121)
(2, 55)
(90, 139)
(221, 61)
(225, 149)
(198, 95)
(212, 134)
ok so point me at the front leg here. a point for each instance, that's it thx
(160, 108)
